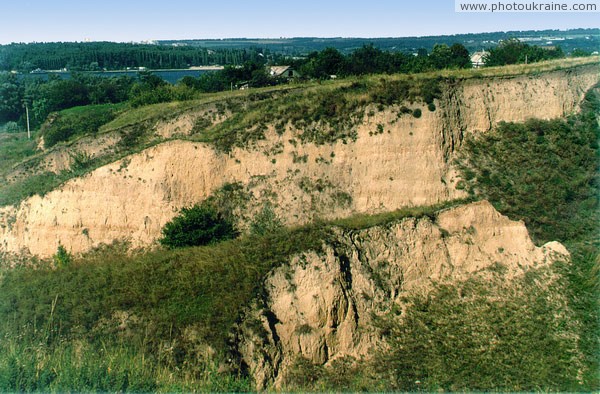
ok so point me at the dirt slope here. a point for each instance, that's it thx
(395, 161)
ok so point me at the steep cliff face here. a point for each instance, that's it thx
(395, 161)
(110, 141)
(321, 306)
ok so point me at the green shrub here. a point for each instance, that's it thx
(390, 92)
(62, 258)
(430, 90)
(77, 121)
(404, 110)
(11, 127)
(198, 225)
(266, 221)
(417, 113)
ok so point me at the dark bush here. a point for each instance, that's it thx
(417, 113)
(430, 90)
(195, 226)
(390, 92)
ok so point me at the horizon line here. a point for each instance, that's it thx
(85, 41)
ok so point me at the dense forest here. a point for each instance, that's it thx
(96, 56)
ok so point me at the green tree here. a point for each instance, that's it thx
(195, 226)
(151, 89)
(455, 56)
(508, 52)
(513, 51)
(441, 56)
(325, 63)
(11, 96)
(63, 94)
(368, 60)
(460, 56)
(580, 53)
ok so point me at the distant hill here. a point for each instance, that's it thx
(584, 39)
(177, 54)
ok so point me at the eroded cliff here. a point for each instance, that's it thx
(321, 306)
(394, 160)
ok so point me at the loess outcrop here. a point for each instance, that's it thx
(394, 161)
(321, 305)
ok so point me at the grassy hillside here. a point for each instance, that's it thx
(159, 320)
(547, 174)
(484, 334)
(116, 320)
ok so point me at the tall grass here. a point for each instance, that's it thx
(14, 147)
(78, 366)
(485, 334)
(160, 311)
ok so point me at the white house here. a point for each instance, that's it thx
(478, 59)
(283, 71)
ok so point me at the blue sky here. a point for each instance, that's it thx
(111, 20)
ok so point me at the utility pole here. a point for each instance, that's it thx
(27, 113)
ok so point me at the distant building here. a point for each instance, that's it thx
(283, 72)
(478, 59)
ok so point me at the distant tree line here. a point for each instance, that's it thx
(513, 51)
(97, 56)
(330, 62)
(372, 60)
(94, 56)
(55, 94)
(587, 40)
